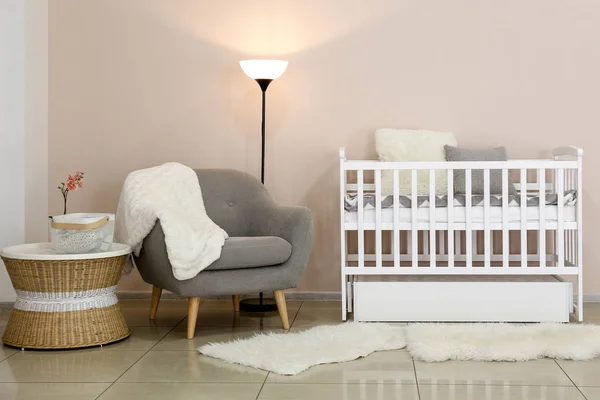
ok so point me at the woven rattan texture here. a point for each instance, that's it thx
(64, 275)
(39, 330)
(63, 330)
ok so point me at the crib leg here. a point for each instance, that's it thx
(350, 296)
(344, 297)
(580, 299)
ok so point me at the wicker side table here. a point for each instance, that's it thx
(64, 300)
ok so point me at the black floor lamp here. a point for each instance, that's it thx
(263, 72)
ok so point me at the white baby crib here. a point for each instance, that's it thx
(463, 258)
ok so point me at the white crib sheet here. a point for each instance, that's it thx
(441, 214)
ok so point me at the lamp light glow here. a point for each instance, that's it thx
(264, 69)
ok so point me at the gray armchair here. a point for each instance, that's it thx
(267, 250)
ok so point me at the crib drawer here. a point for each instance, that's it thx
(399, 298)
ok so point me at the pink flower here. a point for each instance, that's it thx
(73, 182)
(78, 179)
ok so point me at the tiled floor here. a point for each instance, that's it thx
(158, 362)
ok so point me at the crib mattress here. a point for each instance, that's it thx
(477, 214)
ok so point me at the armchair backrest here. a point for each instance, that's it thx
(230, 197)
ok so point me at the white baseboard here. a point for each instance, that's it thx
(138, 295)
(591, 298)
(294, 295)
(299, 295)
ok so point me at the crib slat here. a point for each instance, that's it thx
(572, 246)
(457, 241)
(560, 237)
(572, 232)
(523, 182)
(570, 236)
(396, 237)
(343, 236)
(378, 246)
(568, 245)
(468, 217)
(432, 238)
(450, 209)
(414, 229)
(542, 231)
(579, 205)
(505, 232)
(486, 219)
(566, 184)
(576, 186)
(361, 220)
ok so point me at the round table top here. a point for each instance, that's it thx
(44, 251)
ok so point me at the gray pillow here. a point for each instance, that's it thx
(495, 154)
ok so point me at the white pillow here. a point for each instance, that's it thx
(413, 145)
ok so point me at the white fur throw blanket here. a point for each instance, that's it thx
(172, 194)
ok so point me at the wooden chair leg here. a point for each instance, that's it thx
(193, 304)
(282, 308)
(236, 302)
(156, 292)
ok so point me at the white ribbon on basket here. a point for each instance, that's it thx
(66, 301)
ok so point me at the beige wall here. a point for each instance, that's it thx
(134, 83)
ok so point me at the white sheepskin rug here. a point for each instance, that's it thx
(502, 342)
(292, 353)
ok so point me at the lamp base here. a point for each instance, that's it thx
(256, 305)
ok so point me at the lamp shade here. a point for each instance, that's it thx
(263, 69)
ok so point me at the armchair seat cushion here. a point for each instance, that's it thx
(252, 252)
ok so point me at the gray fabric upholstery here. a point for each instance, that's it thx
(462, 154)
(241, 205)
(252, 252)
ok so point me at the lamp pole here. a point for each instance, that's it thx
(263, 72)
(264, 84)
(262, 128)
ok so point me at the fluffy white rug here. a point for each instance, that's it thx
(292, 353)
(502, 342)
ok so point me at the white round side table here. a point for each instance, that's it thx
(64, 300)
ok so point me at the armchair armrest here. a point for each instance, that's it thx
(292, 223)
